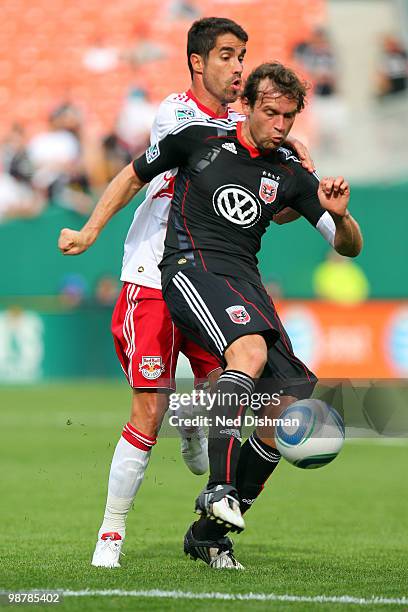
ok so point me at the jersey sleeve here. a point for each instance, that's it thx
(171, 152)
(305, 200)
(307, 203)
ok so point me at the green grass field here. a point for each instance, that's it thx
(338, 531)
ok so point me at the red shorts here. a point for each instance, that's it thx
(148, 343)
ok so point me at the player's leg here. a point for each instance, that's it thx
(245, 359)
(194, 443)
(286, 376)
(148, 360)
(131, 457)
(284, 380)
(205, 308)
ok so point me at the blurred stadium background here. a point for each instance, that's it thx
(78, 90)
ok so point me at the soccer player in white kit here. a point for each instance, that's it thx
(146, 340)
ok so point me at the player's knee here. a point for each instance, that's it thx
(147, 412)
(248, 354)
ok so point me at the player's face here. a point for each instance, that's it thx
(271, 119)
(222, 69)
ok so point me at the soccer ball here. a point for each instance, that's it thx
(314, 436)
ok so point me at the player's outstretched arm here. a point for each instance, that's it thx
(334, 196)
(116, 196)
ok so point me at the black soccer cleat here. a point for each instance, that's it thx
(218, 554)
(220, 503)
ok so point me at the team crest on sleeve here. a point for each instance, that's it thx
(184, 114)
(238, 315)
(151, 367)
(152, 153)
(268, 190)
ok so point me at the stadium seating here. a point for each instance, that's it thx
(43, 46)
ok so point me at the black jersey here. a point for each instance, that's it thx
(225, 196)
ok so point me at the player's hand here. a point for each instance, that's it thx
(302, 152)
(71, 242)
(334, 195)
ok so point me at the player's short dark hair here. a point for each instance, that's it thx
(203, 34)
(285, 81)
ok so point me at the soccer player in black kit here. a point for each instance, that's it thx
(231, 181)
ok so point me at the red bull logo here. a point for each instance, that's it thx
(238, 315)
(151, 367)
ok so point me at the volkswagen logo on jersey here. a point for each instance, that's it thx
(238, 315)
(151, 367)
(268, 190)
(237, 204)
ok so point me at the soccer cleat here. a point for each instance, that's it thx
(194, 450)
(194, 443)
(107, 551)
(220, 503)
(218, 554)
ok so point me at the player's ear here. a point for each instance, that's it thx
(245, 106)
(197, 63)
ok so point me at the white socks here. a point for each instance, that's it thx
(128, 467)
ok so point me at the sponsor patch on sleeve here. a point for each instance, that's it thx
(184, 114)
(152, 153)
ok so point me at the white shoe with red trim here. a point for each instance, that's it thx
(108, 550)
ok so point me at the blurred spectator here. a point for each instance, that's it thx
(73, 290)
(340, 279)
(14, 155)
(100, 58)
(317, 58)
(393, 70)
(135, 121)
(18, 198)
(56, 150)
(57, 159)
(328, 112)
(144, 49)
(107, 290)
(184, 9)
(115, 156)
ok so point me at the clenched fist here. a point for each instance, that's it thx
(71, 242)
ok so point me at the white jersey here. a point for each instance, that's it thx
(144, 243)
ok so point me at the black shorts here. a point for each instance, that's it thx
(215, 310)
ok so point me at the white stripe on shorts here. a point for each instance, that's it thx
(199, 308)
(130, 328)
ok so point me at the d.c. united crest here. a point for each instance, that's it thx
(238, 315)
(268, 190)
